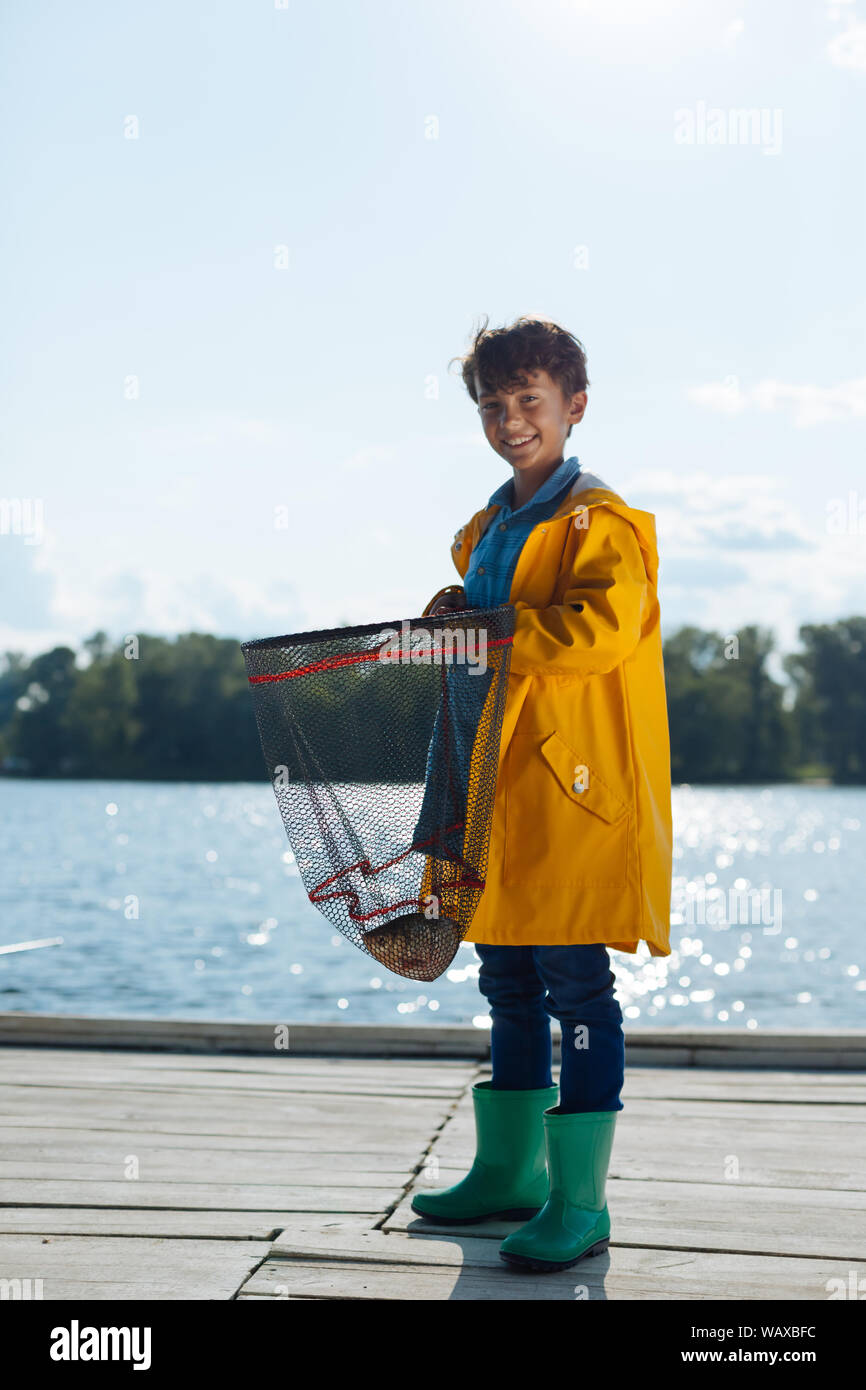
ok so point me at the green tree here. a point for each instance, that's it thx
(830, 711)
(38, 733)
(101, 721)
(725, 712)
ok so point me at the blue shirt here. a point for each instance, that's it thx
(487, 582)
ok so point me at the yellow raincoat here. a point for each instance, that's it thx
(581, 836)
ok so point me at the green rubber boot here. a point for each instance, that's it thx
(508, 1177)
(574, 1220)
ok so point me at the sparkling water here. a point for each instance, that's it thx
(183, 900)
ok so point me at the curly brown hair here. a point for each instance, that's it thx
(501, 355)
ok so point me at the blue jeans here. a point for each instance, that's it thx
(526, 986)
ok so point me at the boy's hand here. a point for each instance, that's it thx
(451, 602)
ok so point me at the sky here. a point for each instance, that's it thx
(242, 241)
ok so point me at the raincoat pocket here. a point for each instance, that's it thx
(563, 823)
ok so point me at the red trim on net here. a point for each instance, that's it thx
(404, 902)
(317, 896)
(330, 663)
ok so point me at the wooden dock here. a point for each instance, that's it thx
(142, 1172)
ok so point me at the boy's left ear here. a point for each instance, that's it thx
(578, 407)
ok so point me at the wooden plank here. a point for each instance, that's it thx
(771, 1087)
(289, 1089)
(337, 1136)
(27, 1255)
(692, 1168)
(696, 1083)
(132, 1105)
(347, 1133)
(142, 1063)
(640, 1081)
(257, 1170)
(426, 1069)
(44, 1141)
(698, 1216)
(737, 1217)
(180, 1287)
(192, 1195)
(110, 1072)
(645, 1151)
(393, 1245)
(768, 1113)
(799, 1090)
(14, 1096)
(289, 1079)
(738, 1109)
(616, 1274)
(113, 1221)
(391, 1078)
(84, 1267)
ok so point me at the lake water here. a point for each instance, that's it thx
(767, 916)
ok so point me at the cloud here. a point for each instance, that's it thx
(732, 550)
(690, 573)
(810, 405)
(28, 589)
(706, 510)
(241, 609)
(737, 535)
(50, 611)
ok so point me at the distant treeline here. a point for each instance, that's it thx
(182, 709)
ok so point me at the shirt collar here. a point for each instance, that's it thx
(559, 479)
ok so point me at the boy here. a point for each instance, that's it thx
(581, 836)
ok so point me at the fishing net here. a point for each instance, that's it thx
(382, 744)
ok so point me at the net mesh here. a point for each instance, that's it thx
(382, 745)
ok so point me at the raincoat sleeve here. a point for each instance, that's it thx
(598, 624)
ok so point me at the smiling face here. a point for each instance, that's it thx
(527, 423)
